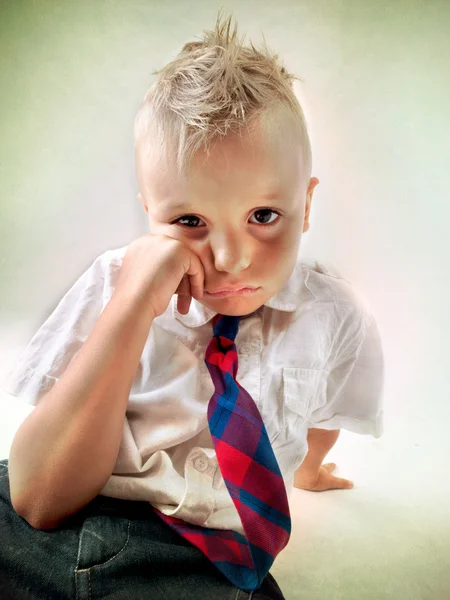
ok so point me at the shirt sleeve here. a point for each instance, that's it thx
(354, 394)
(60, 337)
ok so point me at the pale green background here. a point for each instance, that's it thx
(375, 90)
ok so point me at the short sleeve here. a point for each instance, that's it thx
(354, 394)
(60, 337)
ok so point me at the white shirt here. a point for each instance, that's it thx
(311, 356)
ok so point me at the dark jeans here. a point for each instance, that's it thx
(114, 549)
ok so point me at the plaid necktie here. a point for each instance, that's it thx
(249, 469)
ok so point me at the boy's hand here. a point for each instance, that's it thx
(321, 481)
(154, 268)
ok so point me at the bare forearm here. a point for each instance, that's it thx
(64, 452)
(320, 442)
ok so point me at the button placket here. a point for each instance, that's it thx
(198, 501)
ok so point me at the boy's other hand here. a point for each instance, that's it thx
(321, 481)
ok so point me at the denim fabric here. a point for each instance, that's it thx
(114, 549)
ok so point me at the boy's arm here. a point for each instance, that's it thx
(311, 475)
(320, 442)
(65, 450)
(359, 399)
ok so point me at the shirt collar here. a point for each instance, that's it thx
(294, 293)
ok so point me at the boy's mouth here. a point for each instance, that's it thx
(246, 291)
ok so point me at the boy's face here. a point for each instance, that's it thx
(223, 212)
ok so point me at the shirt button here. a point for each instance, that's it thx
(201, 464)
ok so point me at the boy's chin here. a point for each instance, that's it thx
(232, 306)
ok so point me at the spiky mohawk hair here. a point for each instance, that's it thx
(214, 87)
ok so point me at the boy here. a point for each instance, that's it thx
(119, 445)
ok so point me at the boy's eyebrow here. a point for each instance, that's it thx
(182, 205)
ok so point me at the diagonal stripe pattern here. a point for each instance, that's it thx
(250, 471)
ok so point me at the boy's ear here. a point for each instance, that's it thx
(309, 195)
(141, 200)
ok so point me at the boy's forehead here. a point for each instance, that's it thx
(259, 171)
(166, 193)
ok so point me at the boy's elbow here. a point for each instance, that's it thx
(34, 519)
(42, 524)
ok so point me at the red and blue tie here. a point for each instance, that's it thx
(250, 471)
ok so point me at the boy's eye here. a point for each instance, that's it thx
(264, 220)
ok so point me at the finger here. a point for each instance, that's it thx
(184, 295)
(196, 277)
(343, 483)
(183, 304)
(329, 467)
(340, 483)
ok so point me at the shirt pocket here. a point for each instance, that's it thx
(304, 391)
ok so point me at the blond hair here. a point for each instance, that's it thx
(214, 87)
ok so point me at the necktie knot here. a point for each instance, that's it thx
(226, 326)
